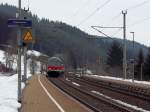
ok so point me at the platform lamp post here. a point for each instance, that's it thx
(124, 46)
(133, 58)
(141, 74)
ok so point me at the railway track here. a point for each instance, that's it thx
(95, 102)
(124, 89)
(114, 94)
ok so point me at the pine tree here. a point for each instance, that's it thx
(140, 61)
(146, 67)
(115, 55)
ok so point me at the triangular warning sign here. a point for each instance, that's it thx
(28, 37)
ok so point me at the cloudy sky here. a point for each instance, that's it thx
(85, 13)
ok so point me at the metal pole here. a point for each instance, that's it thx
(32, 65)
(19, 54)
(141, 71)
(25, 63)
(133, 58)
(124, 48)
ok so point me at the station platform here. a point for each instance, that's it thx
(40, 95)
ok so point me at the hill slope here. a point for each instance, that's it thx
(59, 38)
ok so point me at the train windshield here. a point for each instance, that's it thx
(55, 62)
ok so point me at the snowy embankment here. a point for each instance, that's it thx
(90, 74)
(8, 89)
(121, 79)
(8, 94)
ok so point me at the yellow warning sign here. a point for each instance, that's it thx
(28, 37)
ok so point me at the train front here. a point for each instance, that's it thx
(55, 67)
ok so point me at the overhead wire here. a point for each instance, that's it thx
(116, 17)
(79, 10)
(116, 32)
(101, 32)
(96, 10)
(131, 8)
(138, 22)
(138, 5)
(28, 4)
(113, 19)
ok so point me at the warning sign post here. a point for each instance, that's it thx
(28, 37)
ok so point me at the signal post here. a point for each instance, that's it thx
(20, 23)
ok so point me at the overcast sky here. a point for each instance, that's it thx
(85, 13)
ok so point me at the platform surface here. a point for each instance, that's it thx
(40, 95)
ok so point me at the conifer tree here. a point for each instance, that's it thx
(115, 55)
(146, 67)
(140, 61)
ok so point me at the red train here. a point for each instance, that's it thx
(55, 67)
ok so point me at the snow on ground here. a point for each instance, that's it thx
(36, 53)
(127, 80)
(2, 56)
(8, 88)
(120, 102)
(8, 94)
(89, 72)
(67, 79)
(38, 67)
(75, 83)
(14, 64)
